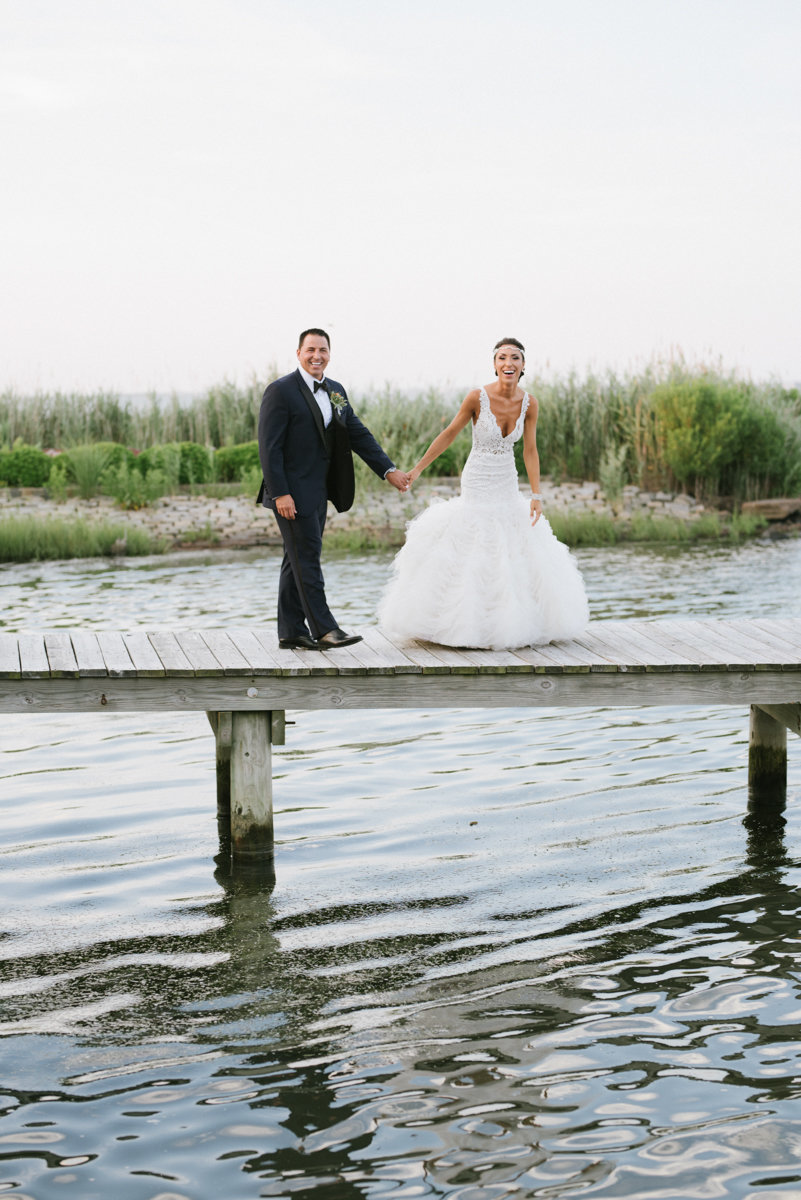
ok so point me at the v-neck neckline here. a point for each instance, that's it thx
(495, 419)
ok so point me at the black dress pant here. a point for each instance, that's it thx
(302, 606)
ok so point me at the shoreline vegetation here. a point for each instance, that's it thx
(93, 531)
(83, 475)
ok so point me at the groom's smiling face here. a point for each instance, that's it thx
(313, 355)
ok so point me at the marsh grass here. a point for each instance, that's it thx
(26, 539)
(667, 426)
(224, 415)
(579, 528)
(362, 541)
(206, 534)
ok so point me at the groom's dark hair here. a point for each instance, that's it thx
(314, 333)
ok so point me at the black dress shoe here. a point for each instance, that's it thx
(302, 642)
(336, 638)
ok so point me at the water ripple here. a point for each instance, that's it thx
(507, 953)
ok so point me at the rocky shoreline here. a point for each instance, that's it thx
(381, 514)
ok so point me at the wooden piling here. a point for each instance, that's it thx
(222, 725)
(767, 762)
(251, 787)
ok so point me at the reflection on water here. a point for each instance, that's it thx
(506, 953)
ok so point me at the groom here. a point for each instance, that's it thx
(306, 431)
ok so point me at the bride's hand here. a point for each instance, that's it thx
(535, 510)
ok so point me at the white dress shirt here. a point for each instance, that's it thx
(321, 396)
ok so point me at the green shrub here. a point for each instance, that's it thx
(131, 489)
(164, 459)
(57, 483)
(251, 481)
(25, 466)
(698, 426)
(197, 463)
(230, 462)
(719, 437)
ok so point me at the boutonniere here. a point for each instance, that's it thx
(338, 401)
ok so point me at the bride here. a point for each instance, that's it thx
(485, 569)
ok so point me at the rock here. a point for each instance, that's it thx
(773, 510)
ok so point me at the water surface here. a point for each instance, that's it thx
(507, 953)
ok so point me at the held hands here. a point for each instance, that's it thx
(399, 480)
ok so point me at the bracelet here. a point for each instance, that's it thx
(536, 496)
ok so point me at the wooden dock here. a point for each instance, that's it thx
(246, 685)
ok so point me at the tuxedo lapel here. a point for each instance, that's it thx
(314, 407)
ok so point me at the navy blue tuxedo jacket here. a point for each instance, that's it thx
(302, 459)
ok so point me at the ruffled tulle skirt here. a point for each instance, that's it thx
(478, 575)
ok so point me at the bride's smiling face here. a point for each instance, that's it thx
(509, 363)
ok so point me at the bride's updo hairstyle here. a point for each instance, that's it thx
(510, 342)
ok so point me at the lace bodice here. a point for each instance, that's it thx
(490, 473)
(487, 436)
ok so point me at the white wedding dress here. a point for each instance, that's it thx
(474, 572)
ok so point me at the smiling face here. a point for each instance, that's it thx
(509, 363)
(313, 355)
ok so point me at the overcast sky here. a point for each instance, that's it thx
(188, 183)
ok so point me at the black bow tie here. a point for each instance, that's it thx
(319, 383)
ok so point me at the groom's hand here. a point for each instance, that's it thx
(398, 479)
(285, 507)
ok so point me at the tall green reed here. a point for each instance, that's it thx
(667, 425)
(26, 539)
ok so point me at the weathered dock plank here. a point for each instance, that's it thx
(9, 656)
(117, 656)
(197, 652)
(144, 659)
(33, 656)
(230, 658)
(169, 650)
(684, 649)
(88, 654)
(257, 656)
